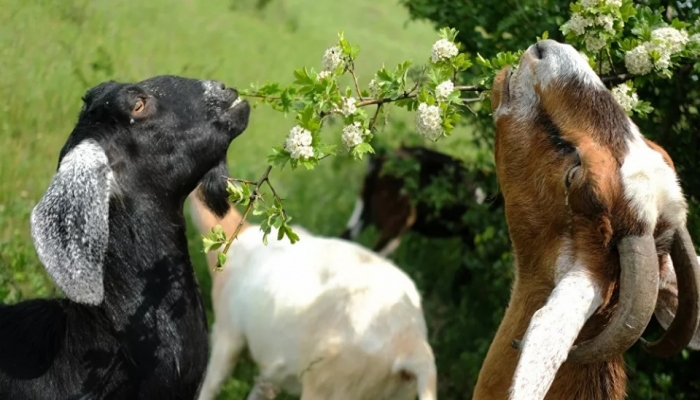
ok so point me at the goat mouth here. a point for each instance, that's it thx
(235, 102)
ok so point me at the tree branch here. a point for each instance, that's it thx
(412, 94)
(252, 199)
(619, 78)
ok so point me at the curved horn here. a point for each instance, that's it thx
(639, 287)
(685, 323)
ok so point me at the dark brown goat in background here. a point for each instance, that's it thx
(384, 203)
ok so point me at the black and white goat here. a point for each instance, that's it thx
(384, 203)
(110, 232)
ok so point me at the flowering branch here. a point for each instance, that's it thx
(651, 49)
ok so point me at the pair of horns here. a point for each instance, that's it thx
(639, 287)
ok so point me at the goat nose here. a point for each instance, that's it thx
(218, 86)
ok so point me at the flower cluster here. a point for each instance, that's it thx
(332, 58)
(298, 143)
(444, 49)
(324, 74)
(656, 53)
(594, 21)
(593, 3)
(348, 107)
(429, 121)
(625, 96)
(443, 90)
(353, 134)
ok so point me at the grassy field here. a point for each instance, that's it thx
(51, 51)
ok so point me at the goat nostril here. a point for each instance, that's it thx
(222, 86)
(538, 51)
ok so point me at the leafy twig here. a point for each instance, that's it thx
(254, 196)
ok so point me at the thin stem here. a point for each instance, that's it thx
(610, 60)
(373, 121)
(351, 70)
(617, 78)
(472, 100)
(239, 180)
(412, 94)
(252, 199)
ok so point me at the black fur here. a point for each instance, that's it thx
(148, 339)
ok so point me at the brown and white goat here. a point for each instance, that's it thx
(384, 203)
(596, 215)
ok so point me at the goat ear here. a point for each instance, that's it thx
(667, 301)
(70, 224)
(213, 190)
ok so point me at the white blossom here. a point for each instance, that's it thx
(590, 3)
(353, 135)
(614, 3)
(298, 143)
(662, 53)
(670, 38)
(332, 58)
(638, 61)
(579, 23)
(429, 121)
(695, 38)
(444, 89)
(605, 67)
(625, 96)
(347, 106)
(594, 43)
(324, 74)
(606, 21)
(443, 49)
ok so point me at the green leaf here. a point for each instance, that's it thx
(222, 258)
(210, 245)
(302, 78)
(293, 237)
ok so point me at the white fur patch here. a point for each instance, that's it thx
(390, 247)
(559, 63)
(562, 62)
(355, 224)
(479, 195)
(551, 333)
(650, 185)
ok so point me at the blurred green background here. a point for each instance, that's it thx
(51, 51)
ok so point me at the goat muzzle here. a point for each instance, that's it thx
(687, 318)
(639, 288)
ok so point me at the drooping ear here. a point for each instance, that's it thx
(70, 224)
(213, 190)
(667, 302)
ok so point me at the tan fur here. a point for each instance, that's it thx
(208, 221)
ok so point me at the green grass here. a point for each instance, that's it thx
(51, 51)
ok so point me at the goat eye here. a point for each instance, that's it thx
(572, 174)
(138, 107)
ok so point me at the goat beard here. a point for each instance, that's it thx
(212, 190)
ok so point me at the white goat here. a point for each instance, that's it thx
(323, 318)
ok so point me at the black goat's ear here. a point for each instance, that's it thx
(213, 190)
(70, 224)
